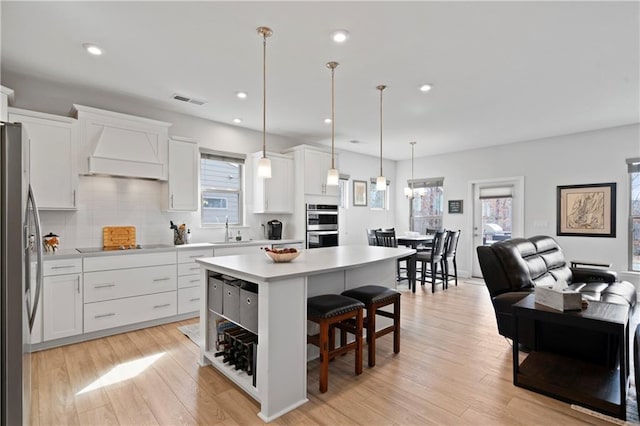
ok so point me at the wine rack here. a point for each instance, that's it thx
(237, 347)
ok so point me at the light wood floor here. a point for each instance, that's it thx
(453, 369)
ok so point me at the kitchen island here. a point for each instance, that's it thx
(283, 289)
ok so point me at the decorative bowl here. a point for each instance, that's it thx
(281, 257)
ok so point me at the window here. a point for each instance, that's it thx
(633, 165)
(378, 200)
(496, 206)
(427, 204)
(216, 203)
(343, 191)
(221, 188)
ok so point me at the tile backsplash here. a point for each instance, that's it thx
(111, 201)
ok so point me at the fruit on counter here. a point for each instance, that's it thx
(280, 251)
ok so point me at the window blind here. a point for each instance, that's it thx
(496, 192)
(633, 165)
(208, 154)
(425, 183)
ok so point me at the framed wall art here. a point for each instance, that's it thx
(455, 206)
(359, 192)
(587, 210)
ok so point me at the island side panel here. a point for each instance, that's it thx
(282, 338)
(204, 315)
(381, 273)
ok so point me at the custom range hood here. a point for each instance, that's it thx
(118, 144)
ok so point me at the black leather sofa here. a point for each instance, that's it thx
(511, 270)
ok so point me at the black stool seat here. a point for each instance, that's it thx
(371, 293)
(375, 297)
(331, 305)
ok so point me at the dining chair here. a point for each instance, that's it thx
(387, 238)
(433, 258)
(451, 247)
(371, 236)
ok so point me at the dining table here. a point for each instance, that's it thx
(413, 241)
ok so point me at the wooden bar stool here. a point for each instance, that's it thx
(330, 311)
(375, 297)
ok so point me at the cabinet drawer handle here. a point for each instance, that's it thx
(194, 300)
(162, 306)
(105, 315)
(63, 267)
(196, 255)
(104, 286)
(195, 269)
(194, 281)
(161, 279)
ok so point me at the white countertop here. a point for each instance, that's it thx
(234, 243)
(258, 267)
(73, 253)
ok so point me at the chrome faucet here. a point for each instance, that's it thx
(226, 230)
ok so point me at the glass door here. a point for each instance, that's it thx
(498, 214)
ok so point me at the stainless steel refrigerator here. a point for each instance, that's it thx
(21, 274)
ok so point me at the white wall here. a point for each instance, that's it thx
(582, 158)
(354, 220)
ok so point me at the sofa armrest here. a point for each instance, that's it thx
(503, 302)
(589, 275)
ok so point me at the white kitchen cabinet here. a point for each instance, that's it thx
(316, 165)
(61, 301)
(183, 175)
(125, 289)
(53, 158)
(62, 307)
(6, 95)
(189, 278)
(274, 195)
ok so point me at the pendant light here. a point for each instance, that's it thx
(381, 181)
(332, 175)
(264, 164)
(408, 191)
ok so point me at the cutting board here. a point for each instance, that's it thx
(116, 236)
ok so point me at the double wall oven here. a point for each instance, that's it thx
(322, 225)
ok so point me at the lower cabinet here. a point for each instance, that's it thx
(59, 313)
(128, 289)
(189, 278)
(129, 310)
(62, 307)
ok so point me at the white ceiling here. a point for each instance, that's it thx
(502, 71)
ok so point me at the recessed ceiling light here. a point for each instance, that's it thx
(426, 87)
(241, 95)
(340, 36)
(92, 48)
(327, 120)
(237, 120)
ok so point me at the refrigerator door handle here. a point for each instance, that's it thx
(39, 259)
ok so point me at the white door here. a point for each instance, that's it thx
(498, 213)
(62, 306)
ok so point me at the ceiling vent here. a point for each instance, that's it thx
(187, 99)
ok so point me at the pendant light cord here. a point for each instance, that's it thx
(381, 88)
(333, 121)
(264, 95)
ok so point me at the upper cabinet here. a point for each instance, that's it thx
(316, 165)
(183, 175)
(273, 195)
(122, 145)
(53, 157)
(6, 95)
